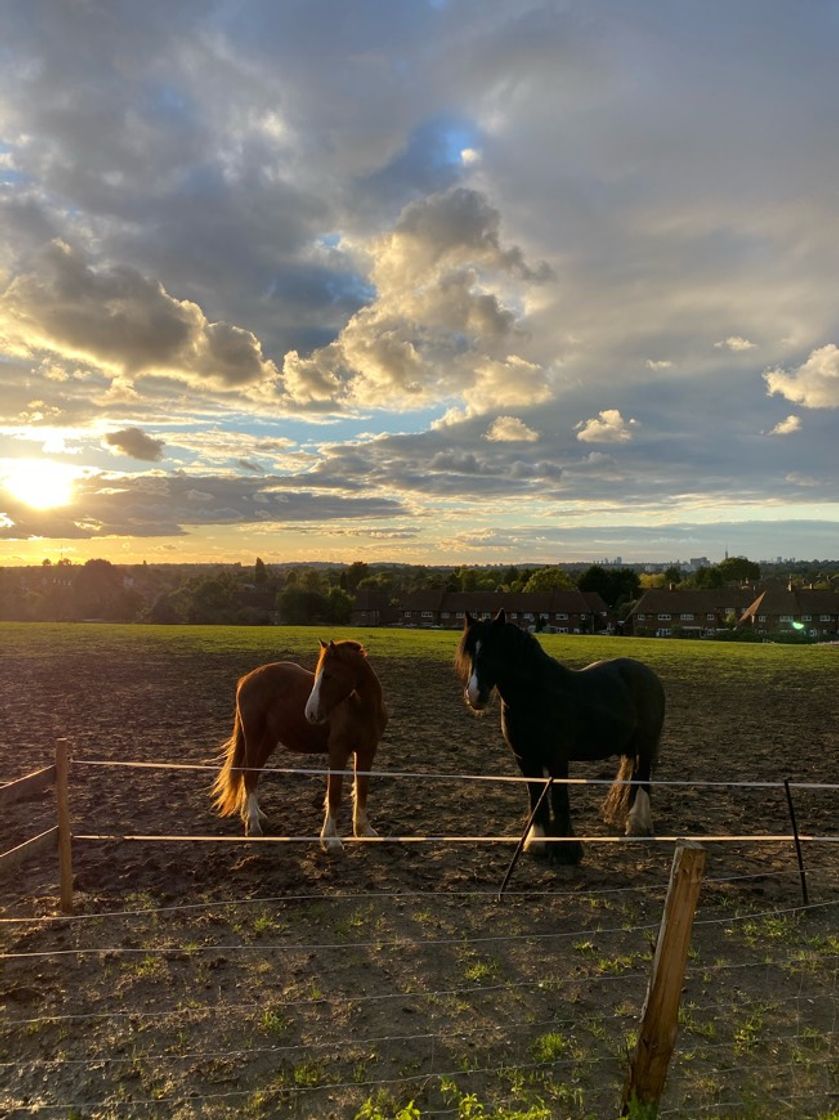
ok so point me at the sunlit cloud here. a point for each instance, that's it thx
(607, 427)
(736, 343)
(786, 427)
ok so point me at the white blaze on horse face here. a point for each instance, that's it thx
(640, 819)
(473, 691)
(312, 708)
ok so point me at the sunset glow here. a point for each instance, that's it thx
(40, 483)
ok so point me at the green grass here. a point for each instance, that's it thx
(717, 659)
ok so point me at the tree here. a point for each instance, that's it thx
(549, 579)
(614, 585)
(738, 569)
(260, 573)
(708, 577)
(673, 574)
(355, 573)
(339, 605)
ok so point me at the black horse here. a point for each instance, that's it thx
(551, 715)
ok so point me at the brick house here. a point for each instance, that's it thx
(804, 609)
(564, 612)
(662, 611)
(372, 608)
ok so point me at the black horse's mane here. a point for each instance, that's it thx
(517, 644)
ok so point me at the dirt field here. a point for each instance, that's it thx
(300, 985)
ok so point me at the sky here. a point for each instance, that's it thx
(447, 282)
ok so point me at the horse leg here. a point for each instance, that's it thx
(361, 784)
(570, 852)
(255, 755)
(534, 841)
(330, 841)
(639, 821)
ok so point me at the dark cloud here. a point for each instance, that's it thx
(136, 444)
(155, 506)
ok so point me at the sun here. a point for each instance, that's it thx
(39, 483)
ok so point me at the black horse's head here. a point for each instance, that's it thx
(478, 658)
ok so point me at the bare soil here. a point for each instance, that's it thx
(304, 985)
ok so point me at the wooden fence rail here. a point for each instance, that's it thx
(59, 836)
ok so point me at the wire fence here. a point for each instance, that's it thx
(541, 1008)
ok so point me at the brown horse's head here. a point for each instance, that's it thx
(336, 676)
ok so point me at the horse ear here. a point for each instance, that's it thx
(500, 618)
(322, 644)
(331, 644)
(468, 621)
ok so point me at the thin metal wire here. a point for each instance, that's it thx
(176, 1012)
(341, 896)
(238, 1093)
(402, 943)
(437, 776)
(748, 838)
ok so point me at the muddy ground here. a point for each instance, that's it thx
(304, 985)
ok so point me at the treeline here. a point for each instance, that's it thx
(294, 594)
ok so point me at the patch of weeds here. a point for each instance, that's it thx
(689, 1022)
(470, 1107)
(639, 1111)
(149, 967)
(584, 946)
(481, 970)
(382, 1106)
(619, 963)
(271, 1022)
(550, 1046)
(748, 1033)
(307, 1075)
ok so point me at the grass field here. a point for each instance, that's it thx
(306, 986)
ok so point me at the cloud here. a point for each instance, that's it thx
(156, 505)
(815, 384)
(787, 427)
(510, 429)
(736, 343)
(136, 444)
(437, 328)
(124, 323)
(658, 365)
(607, 427)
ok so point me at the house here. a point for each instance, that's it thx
(662, 611)
(803, 609)
(560, 611)
(371, 607)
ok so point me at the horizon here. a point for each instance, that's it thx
(443, 284)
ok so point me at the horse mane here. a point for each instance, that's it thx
(342, 648)
(519, 643)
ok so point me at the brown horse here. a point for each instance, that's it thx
(337, 710)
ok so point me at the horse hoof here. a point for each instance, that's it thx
(565, 855)
(331, 845)
(637, 828)
(253, 829)
(366, 830)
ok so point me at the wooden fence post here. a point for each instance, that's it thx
(65, 856)
(660, 1016)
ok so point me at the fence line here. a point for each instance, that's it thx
(490, 896)
(437, 776)
(547, 985)
(146, 838)
(402, 943)
(238, 1093)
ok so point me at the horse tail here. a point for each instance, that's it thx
(616, 803)
(227, 788)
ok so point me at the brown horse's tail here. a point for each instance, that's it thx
(616, 803)
(227, 788)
